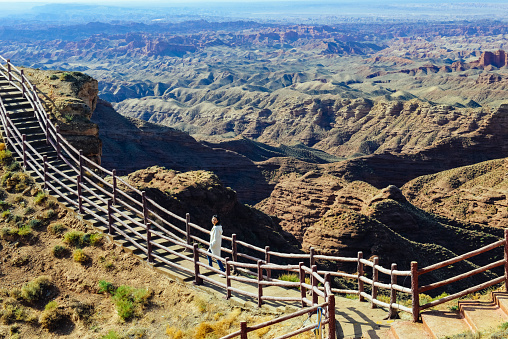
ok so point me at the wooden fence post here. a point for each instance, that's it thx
(145, 208)
(111, 230)
(414, 291)
(331, 317)
(7, 127)
(187, 228)
(114, 186)
(80, 200)
(506, 259)
(23, 137)
(81, 163)
(234, 250)
(360, 274)
(9, 69)
(149, 242)
(46, 131)
(375, 275)
(45, 160)
(267, 261)
(392, 314)
(228, 281)
(58, 140)
(260, 287)
(311, 257)
(303, 291)
(314, 283)
(243, 330)
(197, 279)
(22, 82)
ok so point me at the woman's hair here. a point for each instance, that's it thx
(216, 217)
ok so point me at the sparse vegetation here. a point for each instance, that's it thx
(40, 198)
(59, 251)
(129, 301)
(80, 256)
(57, 228)
(74, 238)
(34, 290)
(52, 316)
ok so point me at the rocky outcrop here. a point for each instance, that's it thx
(340, 218)
(476, 193)
(71, 98)
(202, 194)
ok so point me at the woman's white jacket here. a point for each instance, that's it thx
(216, 239)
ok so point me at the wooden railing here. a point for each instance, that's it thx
(416, 273)
(113, 201)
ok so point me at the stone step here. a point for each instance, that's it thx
(501, 299)
(482, 315)
(409, 330)
(442, 324)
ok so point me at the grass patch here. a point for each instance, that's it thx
(129, 301)
(33, 291)
(57, 228)
(59, 251)
(80, 256)
(291, 277)
(95, 239)
(52, 316)
(5, 157)
(74, 238)
(40, 198)
(16, 181)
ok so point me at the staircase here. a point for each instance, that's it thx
(130, 233)
(474, 316)
(23, 117)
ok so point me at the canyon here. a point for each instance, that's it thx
(383, 138)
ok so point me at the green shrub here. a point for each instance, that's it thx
(25, 231)
(40, 198)
(129, 301)
(13, 166)
(80, 256)
(34, 223)
(5, 157)
(74, 238)
(52, 316)
(124, 308)
(13, 312)
(106, 287)
(291, 277)
(57, 228)
(65, 76)
(49, 214)
(34, 290)
(7, 233)
(96, 239)
(53, 77)
(29, 210)
(16, 181)
(59, 251)
(111, 335)
(6, 215)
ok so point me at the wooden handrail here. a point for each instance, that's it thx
(461, 257)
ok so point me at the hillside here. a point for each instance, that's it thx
(338, 217)
(55, 274)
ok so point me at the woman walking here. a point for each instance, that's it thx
(215, 242)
